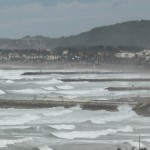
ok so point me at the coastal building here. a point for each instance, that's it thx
(125, 55)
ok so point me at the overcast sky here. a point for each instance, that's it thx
(55, 18)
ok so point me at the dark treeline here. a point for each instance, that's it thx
(24, 51)
(102, 48)
(92, 49)
(79, 54)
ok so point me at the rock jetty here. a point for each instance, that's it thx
(127, 88)
(107, 80)
(33, 104)
(69, 72)
(143, 109)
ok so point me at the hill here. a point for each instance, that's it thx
(132, 33)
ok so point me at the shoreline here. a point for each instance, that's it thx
(74, 66)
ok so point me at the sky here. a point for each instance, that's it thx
(56, 18)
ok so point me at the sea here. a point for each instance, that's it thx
(61, 128)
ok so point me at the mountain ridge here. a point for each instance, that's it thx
(131, 33)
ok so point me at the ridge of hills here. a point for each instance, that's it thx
(131, 33)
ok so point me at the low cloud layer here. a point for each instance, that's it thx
(66, 17)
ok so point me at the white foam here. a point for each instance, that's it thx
(2, 92)
(124, 108)
(58, 112)
(124, 113)
(136, 144)
(82, 92)
(18, 120)
(45, 147)
(28, 91)
(65, 87)
(73, 92)
(9, 81)
(71, 97)
(11, 74)
(14, 127)
(102, 99)
(90, 134)
(146, 140)
(126, 129)
(23, 91)
(98, 121)
(63, 127)
(49, 88)
(5, 143)
(49, 82)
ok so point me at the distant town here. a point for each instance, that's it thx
(78, 55)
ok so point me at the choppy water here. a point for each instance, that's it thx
(73, 128)
(16, 86)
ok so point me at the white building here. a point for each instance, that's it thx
(125, 55)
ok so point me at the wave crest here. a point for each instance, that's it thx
(90, 134)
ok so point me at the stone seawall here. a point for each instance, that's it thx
(33, 104)
(71, 72)
(127, 88)
(143, 109)
(107, 80)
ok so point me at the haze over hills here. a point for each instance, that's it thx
(132, 33)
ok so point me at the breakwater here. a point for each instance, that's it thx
(71, 72)
(127, 88)
(107, 80)
(143, 109)
(33, 104)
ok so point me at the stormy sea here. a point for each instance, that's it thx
(61, 128)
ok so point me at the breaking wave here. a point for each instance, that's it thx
(90, 134)
(63, 127)
(28, 91)
(2, 92)
(9, 81)
(5, 143)
(71, 97)
(48, 82)
(45, 147)
(82, 92)
(125, 112)
(65, 87)
(58, 112)
(19, 120)
(49, 88)
(136, 144)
